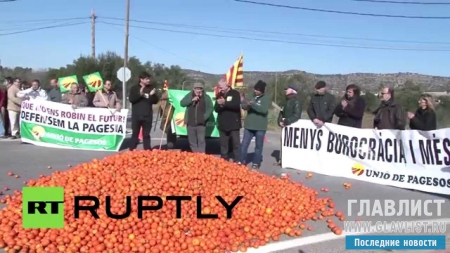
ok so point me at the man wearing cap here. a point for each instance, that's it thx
(228, 108)
(291, 111)
(321, 106)
(255, 124)
(199, 108)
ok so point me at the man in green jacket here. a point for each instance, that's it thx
(321, 106)
(291, 111)
(255, 124)
(199, 109)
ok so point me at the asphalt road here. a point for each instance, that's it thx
(30, 161)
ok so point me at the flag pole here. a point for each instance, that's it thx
(165, 126)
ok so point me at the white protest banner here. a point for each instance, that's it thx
(407, 159)
(49, 124)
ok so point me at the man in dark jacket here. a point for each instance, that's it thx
(291, 111)
(142, 98)
(321, 106)
(389, 114)
(54, 94)
(228, 108)
(351, 109)
(255, 124)
(199, 108)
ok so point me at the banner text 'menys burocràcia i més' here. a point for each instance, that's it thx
(407, 159)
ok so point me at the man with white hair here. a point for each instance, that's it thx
(291, 111)
(228, 108)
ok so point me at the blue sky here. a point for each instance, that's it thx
(59, 46)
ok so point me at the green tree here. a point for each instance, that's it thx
(372, 101)
(408, 95)
(109, 63)
(442, 111)
(276, 88)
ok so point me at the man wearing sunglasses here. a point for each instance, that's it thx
(389, 114)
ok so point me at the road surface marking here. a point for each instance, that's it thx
(325, 237)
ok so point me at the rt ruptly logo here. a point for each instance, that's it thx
(43, 207)
(358, 169)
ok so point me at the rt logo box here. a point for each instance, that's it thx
(43, 207)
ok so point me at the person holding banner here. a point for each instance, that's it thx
(106, 98)
(14, 104)
(74, 97)
(24, 85)
(291, 111)
(425, 117)
(34, 92)
(351, 109)
(199, 109)
(321, 106)
(389, 114)
(7, 82)
(54, 94)
(142, 98)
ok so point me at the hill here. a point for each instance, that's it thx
(368, 81)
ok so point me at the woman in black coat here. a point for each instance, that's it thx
(351, 109)
(425, 117)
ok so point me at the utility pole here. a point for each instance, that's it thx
(125, 55)
(93, 33)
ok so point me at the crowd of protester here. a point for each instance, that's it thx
(17, 91)
(199, 112)
(389, 115)
(229, 105)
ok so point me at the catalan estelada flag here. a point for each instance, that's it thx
(235, 75)
(166, 85)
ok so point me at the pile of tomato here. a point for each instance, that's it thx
(269, 208)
